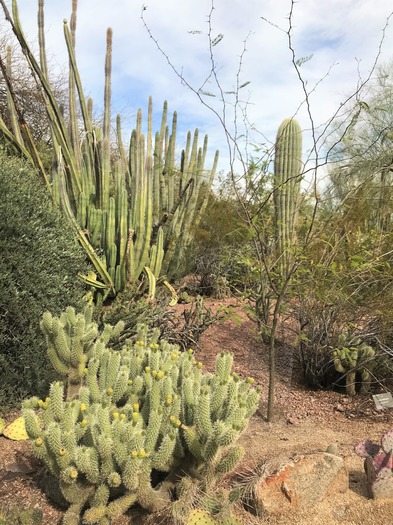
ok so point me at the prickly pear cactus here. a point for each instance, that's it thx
(16, 430)
(147, 407)
(378, 465)
(202, 517)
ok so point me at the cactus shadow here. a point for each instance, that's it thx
(358, 483)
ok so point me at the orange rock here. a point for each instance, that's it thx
(301, 483)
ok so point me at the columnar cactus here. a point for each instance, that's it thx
(138, 211)
(148, 407)
(352, 357)
(287, 178)
(378, 464)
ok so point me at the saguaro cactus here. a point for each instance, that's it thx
(287, 178)
(138, 211)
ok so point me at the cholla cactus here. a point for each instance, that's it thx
(351, 357)
(378, 464)
(147, 407)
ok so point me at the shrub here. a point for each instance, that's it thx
(143, 424)
(39, 267)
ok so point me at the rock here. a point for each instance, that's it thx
(300, 483)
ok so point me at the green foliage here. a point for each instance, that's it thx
(123, 415)
(344, 285)
(133, 308)
(39, 268)
(17, 515)
(130, 212)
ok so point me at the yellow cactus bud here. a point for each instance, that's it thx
(174, 357)
(140, 343)
(190, 351)
(135, 417)
(134, 454)
(142, 453)
(84, 422)
(160, 374)
(47, 400)
(73, 474)
(250, 380)
(83, 407)
(85, 371)
(40, 403)
(199, 365)
(62, 451)
(115, 480)
(154, 346)
(109, 391)
(38, 442)
(122, 417)
(115, 415)
(168, 401)
(194, 361)
(129, 382)
(154, 373)
(135, 407)
(147, 369)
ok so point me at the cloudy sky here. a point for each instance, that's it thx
(342, 36)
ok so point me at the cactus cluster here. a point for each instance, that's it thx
(286, 190)
(351, 356)
(378, 464)
(122, 415)
(131, 215)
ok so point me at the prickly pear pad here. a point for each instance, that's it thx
(16, 430)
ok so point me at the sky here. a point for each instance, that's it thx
(342, 37)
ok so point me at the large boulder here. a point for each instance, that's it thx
(300, 483)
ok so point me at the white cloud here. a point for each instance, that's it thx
(340, 33)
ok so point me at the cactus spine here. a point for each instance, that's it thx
(137, 211)
(122, 414)
(287, 178)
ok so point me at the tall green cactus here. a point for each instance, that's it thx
(126, 413)
(287, 178)
(138, 211)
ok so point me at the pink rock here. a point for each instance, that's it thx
(301, 483)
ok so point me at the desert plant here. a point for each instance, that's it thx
(351, 356)
(17, 515)
(138, 211)
(123, 417)
(186, 330)
(202, 517)
(378, 464)
(39, 265)
(287, 178)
